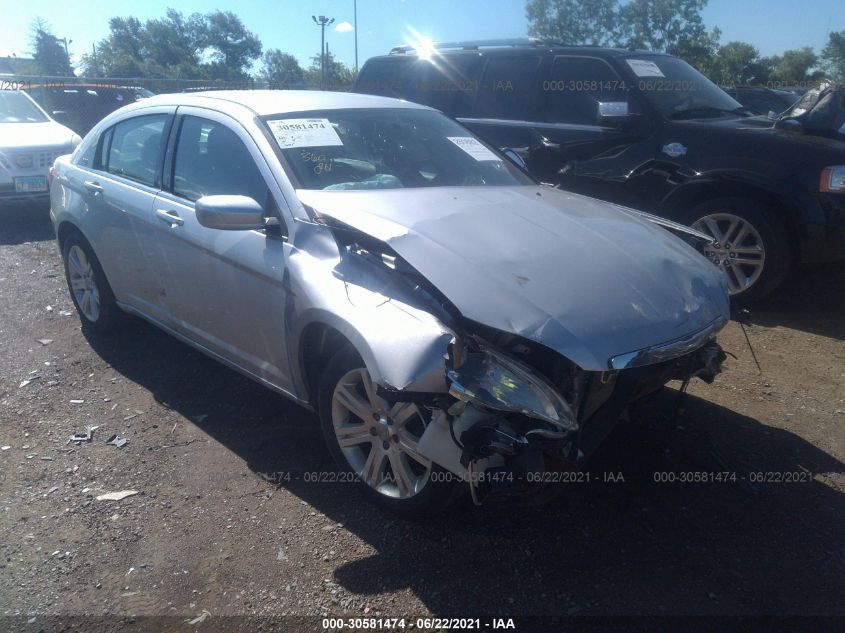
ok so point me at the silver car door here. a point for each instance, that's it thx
(117, 193)
(226, 290)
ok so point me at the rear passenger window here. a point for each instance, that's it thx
(86, 158)
(136, 148)
(575, 87)
(212, 160)
(507, 88)
(449, 85)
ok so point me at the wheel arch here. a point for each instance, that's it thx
(65, 229)
(396, 358)
(693, 195)
(318, 342)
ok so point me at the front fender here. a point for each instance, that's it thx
(399, 350)
(401, 342)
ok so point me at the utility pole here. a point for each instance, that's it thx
(322, 22)
(67, 54)
(355, 26)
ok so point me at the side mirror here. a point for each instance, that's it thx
(615, 114)
(229, 213)
(60, 116)
(515, 158)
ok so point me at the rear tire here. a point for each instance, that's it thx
(89, 289)
(379, 442)
(752, 244)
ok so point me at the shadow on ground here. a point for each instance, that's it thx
(29, 222)
(603, 547)
(810, 300)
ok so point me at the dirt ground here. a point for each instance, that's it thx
(208, 533)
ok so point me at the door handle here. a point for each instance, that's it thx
(93, 186)
(171, 217)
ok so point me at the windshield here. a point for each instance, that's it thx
(387, 149)
(679, 91)
(16, 108)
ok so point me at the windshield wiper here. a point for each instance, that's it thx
(690, 113)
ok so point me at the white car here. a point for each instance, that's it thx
(29, 143)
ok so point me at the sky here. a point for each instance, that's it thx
(772, 26)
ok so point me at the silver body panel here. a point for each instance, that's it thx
(572, 273)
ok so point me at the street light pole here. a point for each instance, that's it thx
(67, 54)
(322, 22)
(355, 26)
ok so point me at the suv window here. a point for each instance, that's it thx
(382, 77)
(211, 160)
(135, 149)
(507, 88)
(449, 85)
(575, 87)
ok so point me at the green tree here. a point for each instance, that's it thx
(281, 69)
(794, 67)
(48, 51)
(338, 75)
(574, 21)
(669, 26)
(174, 47)
(121, 54)
(738, 63)
(833, 56)
(233, 48)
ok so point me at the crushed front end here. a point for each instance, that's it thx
(518, 411)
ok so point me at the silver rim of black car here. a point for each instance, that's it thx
(379, 440)
(738, 249)
(83, 284)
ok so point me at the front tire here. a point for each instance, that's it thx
(377, 441)
(752, 244)
(89, 289)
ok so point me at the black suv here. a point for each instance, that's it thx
(645, 130)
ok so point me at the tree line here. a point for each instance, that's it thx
(676, 27)
(211, 46)
(217, 46)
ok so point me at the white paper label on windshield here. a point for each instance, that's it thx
(473, 147)
(292, 133)
(644, 68)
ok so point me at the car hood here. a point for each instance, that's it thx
(34, 135)
(575, 274)
(761, 125)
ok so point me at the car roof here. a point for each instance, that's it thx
(266, 102)
(513, 51)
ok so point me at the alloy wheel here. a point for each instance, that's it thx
(83, 283)
(379, 440)
(738, 249)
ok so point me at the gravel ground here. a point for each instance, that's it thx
(207, 532)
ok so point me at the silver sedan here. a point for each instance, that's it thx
(456, 325)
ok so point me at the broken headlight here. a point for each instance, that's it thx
(491, 379)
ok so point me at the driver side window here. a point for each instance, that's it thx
(211, 160)
(575, 87)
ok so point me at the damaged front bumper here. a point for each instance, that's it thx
(509, 427)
